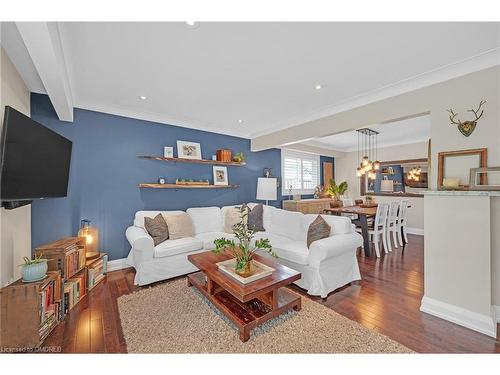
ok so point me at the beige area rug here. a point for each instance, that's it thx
(174, 318)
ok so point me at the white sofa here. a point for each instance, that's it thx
(328, 264)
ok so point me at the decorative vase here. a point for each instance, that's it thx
(247, 269)
(34, 272)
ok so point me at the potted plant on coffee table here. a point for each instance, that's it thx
(243, 249)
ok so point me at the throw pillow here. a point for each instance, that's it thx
(157, 228)
(232, 217)
(179, 226)
(318, 230)
(255, 217)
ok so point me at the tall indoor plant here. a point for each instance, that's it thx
(243, 251)
(336, 191)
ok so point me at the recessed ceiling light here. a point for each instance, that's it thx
(318, 87)
(240, 121)
(142, 97)
(192, 24)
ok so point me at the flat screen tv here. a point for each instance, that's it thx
(34, 160)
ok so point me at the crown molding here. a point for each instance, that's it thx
(161, 119)
(472, 64)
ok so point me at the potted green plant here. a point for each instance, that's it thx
(336, 191)
(244, 250)
(34, 269)
(239, 157)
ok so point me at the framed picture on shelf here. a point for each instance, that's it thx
(220, 175)
(188, 150)
(168, 152)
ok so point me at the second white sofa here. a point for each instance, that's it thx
(328, 264)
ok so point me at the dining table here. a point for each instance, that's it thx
(363, 214)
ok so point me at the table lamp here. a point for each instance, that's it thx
(91, 235)
(267, 189)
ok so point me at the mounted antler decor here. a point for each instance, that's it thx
(467, 127)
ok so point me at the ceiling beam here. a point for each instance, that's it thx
(43, 43)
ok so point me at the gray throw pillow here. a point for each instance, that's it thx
(318, 230)
(255, 217)
(157, 228)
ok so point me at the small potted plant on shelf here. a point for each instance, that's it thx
(239, 157)
(336, 191)
(34, 269)
(244, 251)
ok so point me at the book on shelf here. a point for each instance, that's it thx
(97, 271)
(74, 290)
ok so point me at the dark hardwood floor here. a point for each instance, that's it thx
(386, 300)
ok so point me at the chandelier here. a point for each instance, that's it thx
(367, 151)
(414, 174)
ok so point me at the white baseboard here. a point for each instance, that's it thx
(458, 315)
(496, 309)
(117, 264)
(417, 231)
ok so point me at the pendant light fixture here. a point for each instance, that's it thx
(367, 151)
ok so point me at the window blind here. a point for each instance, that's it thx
(300, 172)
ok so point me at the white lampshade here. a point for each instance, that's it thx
(267, 189)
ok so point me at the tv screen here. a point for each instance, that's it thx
(34, 160)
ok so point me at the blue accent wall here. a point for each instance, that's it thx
(105, 172)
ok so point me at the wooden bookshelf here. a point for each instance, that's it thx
(25, 320)
(61, 252)
(97, 270)
(195, 161)
(178, 186)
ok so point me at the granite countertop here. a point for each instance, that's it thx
(476, 193)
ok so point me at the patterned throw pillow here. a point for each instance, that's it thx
(157, 228)
(255, 217)
(318, 230)
(179, 226)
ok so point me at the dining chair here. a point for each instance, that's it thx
(392, 224)
(402, 220)
(377, 232)
(346, 202)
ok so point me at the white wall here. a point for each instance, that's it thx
(15, 225)
(345, 170)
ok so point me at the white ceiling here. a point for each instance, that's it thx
(413, 130)
(263, 73)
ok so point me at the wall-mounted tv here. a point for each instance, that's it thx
(34, 160)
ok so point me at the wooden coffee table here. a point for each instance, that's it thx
(247, 305)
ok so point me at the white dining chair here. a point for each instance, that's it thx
(378, 231)
(392, 224)
(346, 202)
(402, 220)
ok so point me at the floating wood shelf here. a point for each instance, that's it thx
(202, 161)
(176, 186)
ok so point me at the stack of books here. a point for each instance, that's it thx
(75, 260)
(49, 306)
(74, 290)
(97, 271)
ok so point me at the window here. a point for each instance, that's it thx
(300, 171)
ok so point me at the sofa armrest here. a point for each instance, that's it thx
(333, 246)
(142, 244)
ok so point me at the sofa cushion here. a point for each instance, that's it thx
(338, 224)
(179, 226)
(206, 219)
(255, 217)
(267, 214)
(231, 215)
(157, 228)
(209, 237)
(140, 215)
(293, 251)
(318, 230)
(288, 224)
(174, 247)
